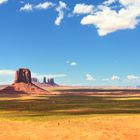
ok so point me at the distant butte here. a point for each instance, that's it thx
(23, 84)
(51, 82)
(23, 75)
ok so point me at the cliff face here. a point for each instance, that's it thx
(23, 75)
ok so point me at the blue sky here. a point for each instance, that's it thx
(91, 43)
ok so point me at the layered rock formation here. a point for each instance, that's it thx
(51, 81)
(23, 75)
(23, 84)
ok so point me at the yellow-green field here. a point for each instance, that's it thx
(70, 117)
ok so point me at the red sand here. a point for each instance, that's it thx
(24, 88)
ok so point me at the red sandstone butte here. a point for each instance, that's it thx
(23, 75)
(23, 84)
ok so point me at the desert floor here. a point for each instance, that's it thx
(109, 116)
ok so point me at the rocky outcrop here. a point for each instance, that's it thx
(51, 81)
(23, 84)
(48, 83)
(44, 80)
(23, 75)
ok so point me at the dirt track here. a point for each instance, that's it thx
(85, 128)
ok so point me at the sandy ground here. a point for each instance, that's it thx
(88, 127)
(120, 127)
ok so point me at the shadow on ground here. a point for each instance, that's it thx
(68, 105)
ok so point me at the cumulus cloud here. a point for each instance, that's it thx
(83, 9)
(115, 78)
(44, 5)
(41, 6)
(108, 20)
(133, 77)
(108, 2)
(3, 1)
(107, 17)
(60, 9)
(27, 7)
(130, 2)
(89, 77)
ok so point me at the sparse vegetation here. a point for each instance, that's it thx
(66, 105)
(69, 117)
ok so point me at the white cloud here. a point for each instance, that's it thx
(44, 5)
(108, 2)
(60, 9)
(3, 1)
(108, 20)
(130, 2)
(89, 77)
(27, 7)
(133, 77)
(83, 9)
(40, 6)
(115, 78)
(107, 17)
(129, 78)
(71, 63)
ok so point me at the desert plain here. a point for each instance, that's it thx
(71, 113)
